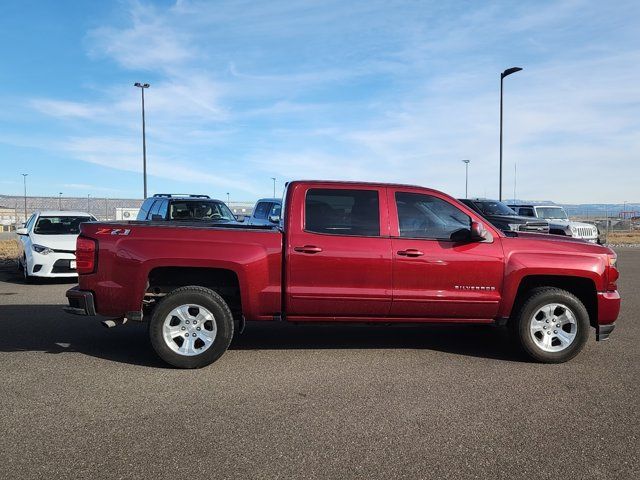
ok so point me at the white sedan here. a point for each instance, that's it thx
(48, 243)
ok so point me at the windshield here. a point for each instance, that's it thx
(201, 210)
(495, 208)
(551, 213)
(60, 225)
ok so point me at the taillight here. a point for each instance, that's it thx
(86, 253)
(612, 273)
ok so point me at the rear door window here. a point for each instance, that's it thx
(342, 212)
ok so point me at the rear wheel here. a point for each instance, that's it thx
(552, 325)
(191, 327)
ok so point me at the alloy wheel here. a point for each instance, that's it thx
(189, 329)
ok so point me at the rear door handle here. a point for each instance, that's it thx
(410, 252)
(308, 249)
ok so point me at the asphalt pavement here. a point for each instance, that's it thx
(82, 401)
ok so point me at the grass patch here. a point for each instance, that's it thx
(9, 249)
(624, 238)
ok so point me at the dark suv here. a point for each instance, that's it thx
(179, 207)
(503, 217)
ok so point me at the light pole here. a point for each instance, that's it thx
(506, 73)
(515, 180)
(88, 200)
(60, 201)
(142, 86)
(274, 186)
(24, 178)
(466, 178)
(228, 198)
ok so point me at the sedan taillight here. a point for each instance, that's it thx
(86, 255)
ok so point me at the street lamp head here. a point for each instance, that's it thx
(141, 85)
(466, 161)
(509, 71)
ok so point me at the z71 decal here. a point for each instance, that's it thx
(113, 231)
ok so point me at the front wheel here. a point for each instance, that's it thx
(191, 327)
(25, 271)
(552, 325)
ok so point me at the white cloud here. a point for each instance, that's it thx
(149, 42)
(374, 90)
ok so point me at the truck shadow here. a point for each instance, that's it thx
(47, 328)
(484, 341)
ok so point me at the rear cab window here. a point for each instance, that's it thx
(342, 212)
(144, 209)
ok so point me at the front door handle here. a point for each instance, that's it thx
(308, 249)
(410, 252)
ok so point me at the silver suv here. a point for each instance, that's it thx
(559, 222)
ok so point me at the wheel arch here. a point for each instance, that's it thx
(225, 282)
(582, 287)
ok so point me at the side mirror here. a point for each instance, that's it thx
(21, 231)
(155, 216)
(240, 218)
(478, 232)
(274, 218)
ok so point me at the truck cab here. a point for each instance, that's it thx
(267, 211)
(183, 207)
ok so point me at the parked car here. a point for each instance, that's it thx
(48, 243)
(559, 222)
(265, 212)
(503, 217)
(179, 207)
(347, 252)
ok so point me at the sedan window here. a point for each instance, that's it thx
(59, 225)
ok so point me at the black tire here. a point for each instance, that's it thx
(25, 272)
(192, 295)
(520, 324)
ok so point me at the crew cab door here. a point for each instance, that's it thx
(434, 277)
(338, 252)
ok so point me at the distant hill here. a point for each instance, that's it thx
(588, 209)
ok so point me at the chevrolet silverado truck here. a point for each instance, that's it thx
(345, 252)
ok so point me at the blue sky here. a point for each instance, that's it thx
(397, 91)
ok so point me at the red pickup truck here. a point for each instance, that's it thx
(345, 252)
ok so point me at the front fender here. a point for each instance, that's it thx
(519, 266)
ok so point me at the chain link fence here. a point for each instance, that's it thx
(15, 210)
